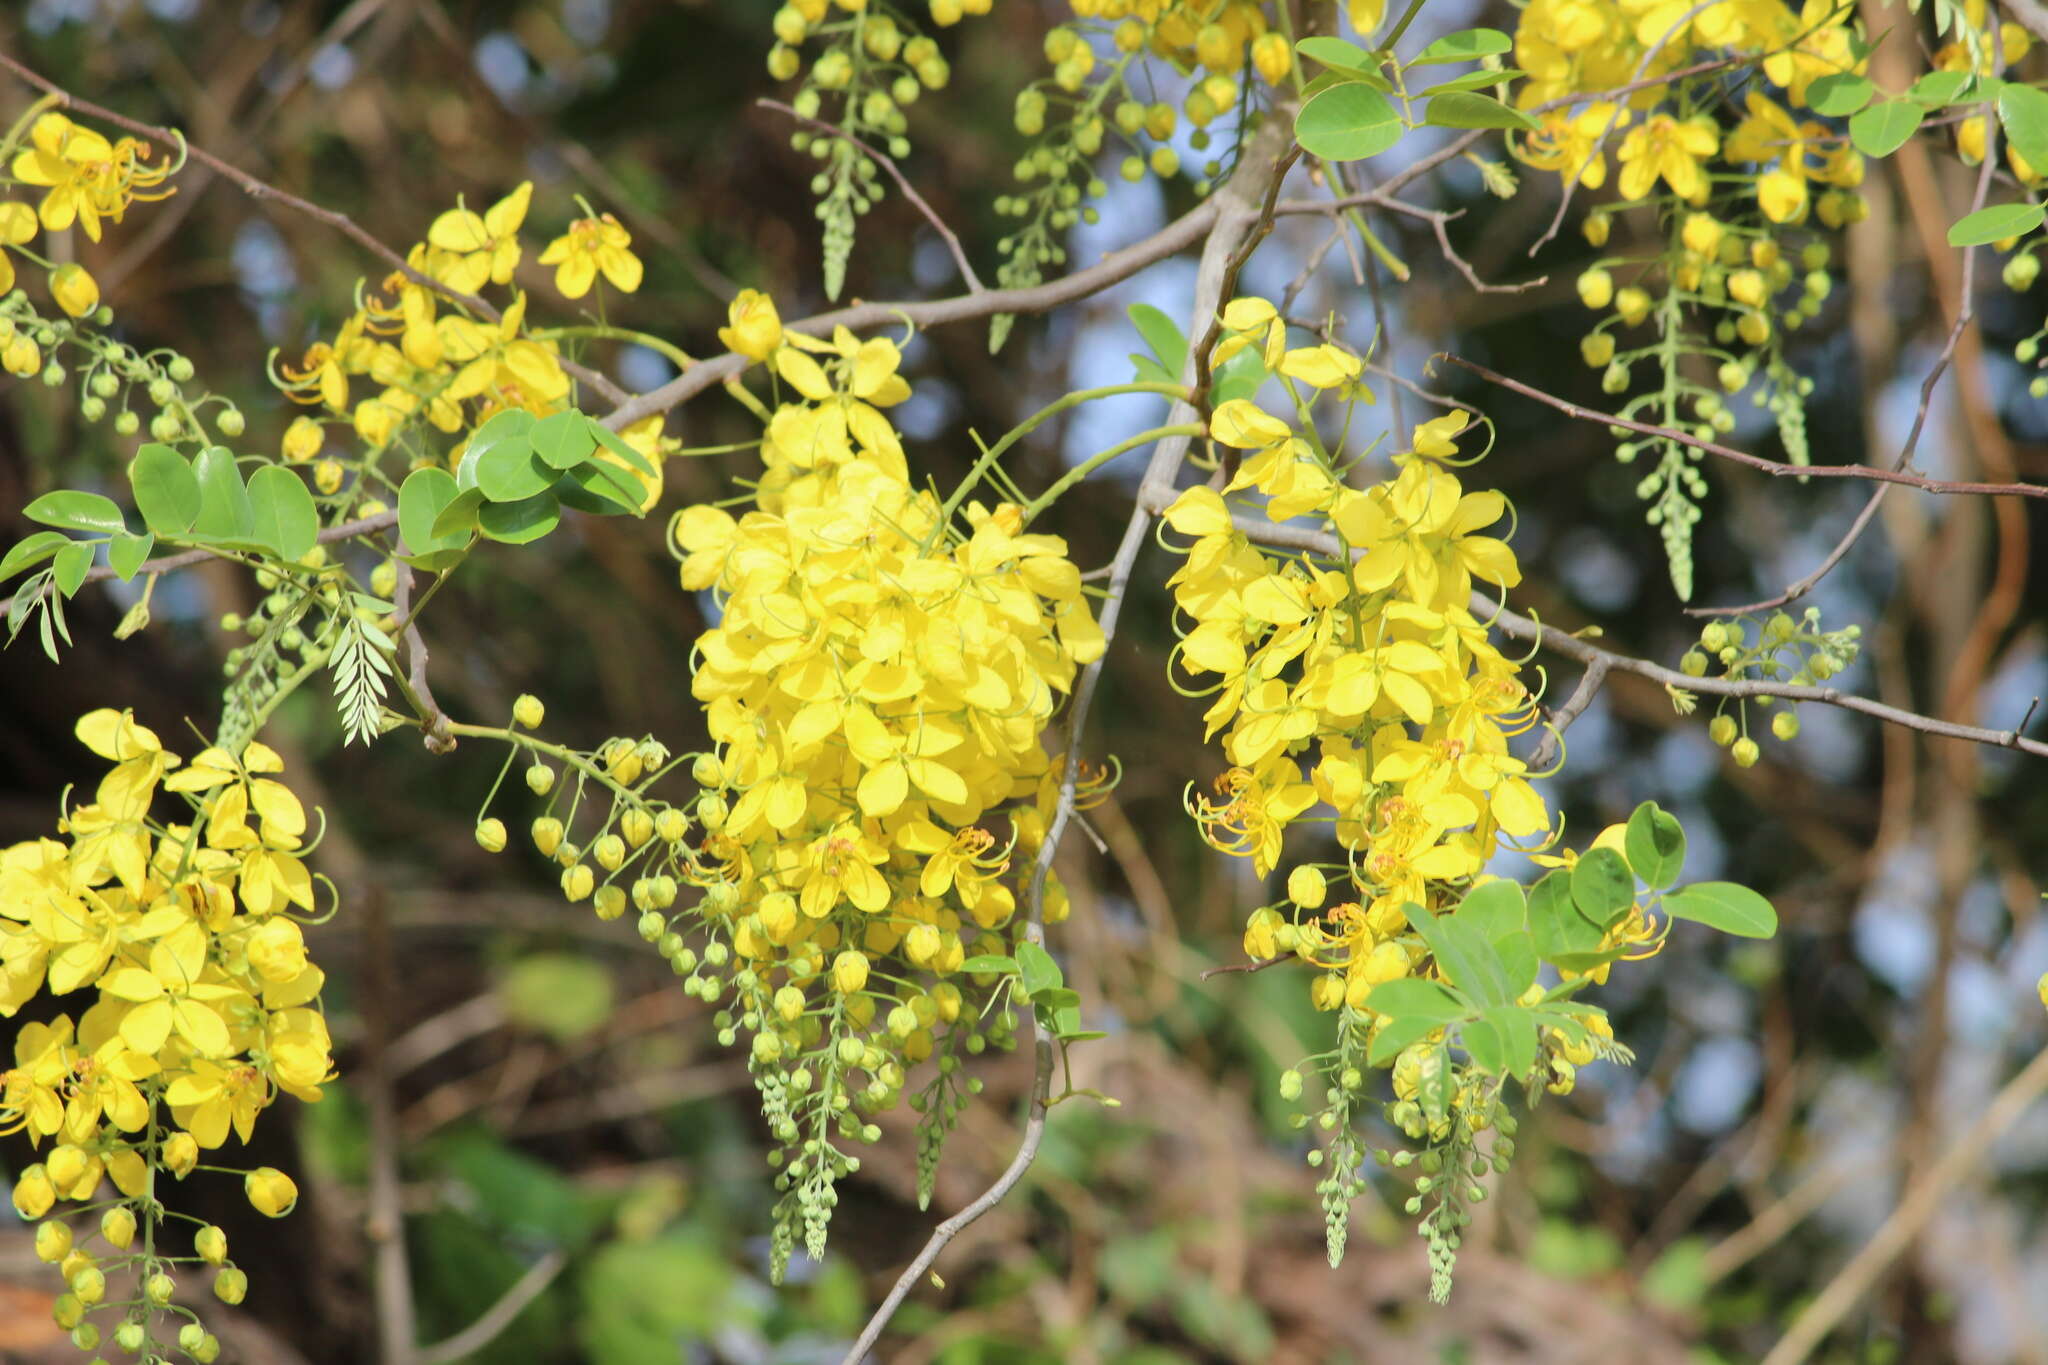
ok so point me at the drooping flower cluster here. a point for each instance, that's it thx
(877, 687)
(205, 1010)
(1375, 669)
(1358, 691)
(1717, 280)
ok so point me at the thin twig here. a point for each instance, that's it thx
(500, 1315)
(1233, 216)
(1965, 311)
(1775, 468)
(1920, 1203)
(931, 215)
(1551, 638)
(1575, 706)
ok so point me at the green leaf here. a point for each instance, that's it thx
(1475, 80)
(421, 499)
(604, 488)
(1464, 954)
(1656, 845)
(1995, 224)
(1484, 1044)
(1338, 55)
(1036, 970)
(1555, 924)
(1839, 94)
(518, 523)
(990, 962)
(1163, 336)
(1882, 129)
(1412, 997)
(510, 427)
(2023, 112)
(284, 517)
(562, 441)
(76, 511)
(32, 551)
(1466, 45)
(1470, 109)
(1939, 87)
(1394, 1035)
(73, 562)
(1602, 886)
(223, 502)
(166, 489)
(458, 520)
(1731, 908)
(1348, 123)
(619, 446)
(1241, 376)
(127, 552)
(1053, 999)
(1518, 1034)
(510, 470)
(1497, 908)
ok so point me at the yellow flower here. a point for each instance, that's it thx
(1669, 149)
(480, 249)
(75, 291)
(271, 1192)
(756, 328)
(591, 245)
(85, 176)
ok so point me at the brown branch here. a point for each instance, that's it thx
(1559, 642)
(1233, 217)
(1919, 1204)
(499, 1315)
(263, 189)
(931, 215)
(1775, 468)
(1575, 706)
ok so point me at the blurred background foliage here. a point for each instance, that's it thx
(559, 1103)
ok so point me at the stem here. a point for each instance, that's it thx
(1101, 458)
(990, 455)
(681, 360)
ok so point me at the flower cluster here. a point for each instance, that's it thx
(1358, 691)
(1374, 665)
(1718, 281)
(431, 360)
(1781, 648)
(206, 1007)
(877, 686)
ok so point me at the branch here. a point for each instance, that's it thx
(1775, 468)
(974, 284)
(499, 1316)
(1234, 213)
(1560, 720)
(263, 189)
(1920, 1204)
(1559, 642)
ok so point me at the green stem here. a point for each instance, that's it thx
(1101, 458)
(1414, 8)
(24, 123)
(1030, 424)
(676, 355)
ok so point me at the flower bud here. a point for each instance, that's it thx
(270, 1191)
(180, 1154)
(849, 971)
(490, 835)
(577, 882)
(34, 1192)
(547, 835)
(74, 289)
(231, 1285)
(1722, 731)
(528, 711)
(89, 1284)
(1597, 348)
(1306, 887)
(53, 1241)
(609, 902)
(1598, 225)
(1744, 751)
(1596, 288)
(540, 779)
(211, 1244)
(159, 1288)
